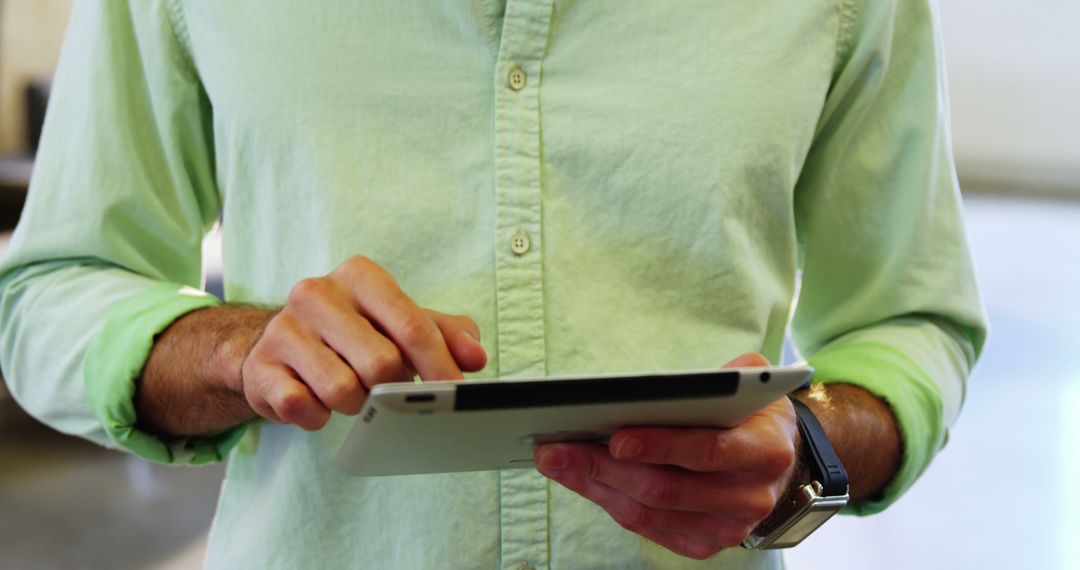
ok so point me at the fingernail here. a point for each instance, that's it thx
(554, 458)
(471, 335)
(628, 448)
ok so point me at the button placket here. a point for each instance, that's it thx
(518, 263)
(517, 187)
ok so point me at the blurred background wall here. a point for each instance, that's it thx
(30, 35)
(1014, 80)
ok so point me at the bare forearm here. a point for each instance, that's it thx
(191, 383)
(862, 430)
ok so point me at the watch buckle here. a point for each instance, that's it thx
(802, 515)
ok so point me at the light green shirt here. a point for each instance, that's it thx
(674, 166)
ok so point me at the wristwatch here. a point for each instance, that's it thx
(800, 513)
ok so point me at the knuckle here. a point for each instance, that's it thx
(257, 372)
(383, 365)
(263, 409)
(281, 333)
(658, 492)
(415, 328)
(307, 290)
(340, 391)
(593, 469)
(361, 268)
(464, 322)
(639, 516)
(316, 422)
(290, 405)
(715, 452)
(359, 262)
(354, 267)
(760, 505)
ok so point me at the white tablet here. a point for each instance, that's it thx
(442, 427)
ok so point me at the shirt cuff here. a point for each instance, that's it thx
(114, 362)
(911, 393)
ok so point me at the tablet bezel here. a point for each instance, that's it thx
(490, 420)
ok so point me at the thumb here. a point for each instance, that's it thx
(462, 337)
(748, 360)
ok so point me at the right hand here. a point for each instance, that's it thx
(341, 334)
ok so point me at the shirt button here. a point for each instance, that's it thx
(519, 242)
(516, 79)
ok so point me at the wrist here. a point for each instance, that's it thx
(234, 344)
(817, 489)
(796, 479)
(863, 431)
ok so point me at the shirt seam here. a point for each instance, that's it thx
(845, 34)
(547, 520)
(178, 25)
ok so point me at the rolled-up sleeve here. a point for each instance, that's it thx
(108, 250)
(888, 298)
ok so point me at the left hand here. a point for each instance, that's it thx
(694, 491)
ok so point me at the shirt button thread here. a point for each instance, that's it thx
(516, 79)
(519, 242)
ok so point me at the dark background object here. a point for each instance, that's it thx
(37, 98)
(15, 169)
(14, 182)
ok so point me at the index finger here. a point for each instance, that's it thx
(706, 449)
(382, 301)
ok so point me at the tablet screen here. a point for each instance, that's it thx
(541, 393)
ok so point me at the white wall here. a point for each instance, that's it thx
(1014, 78)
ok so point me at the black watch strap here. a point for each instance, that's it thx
(824, 465)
